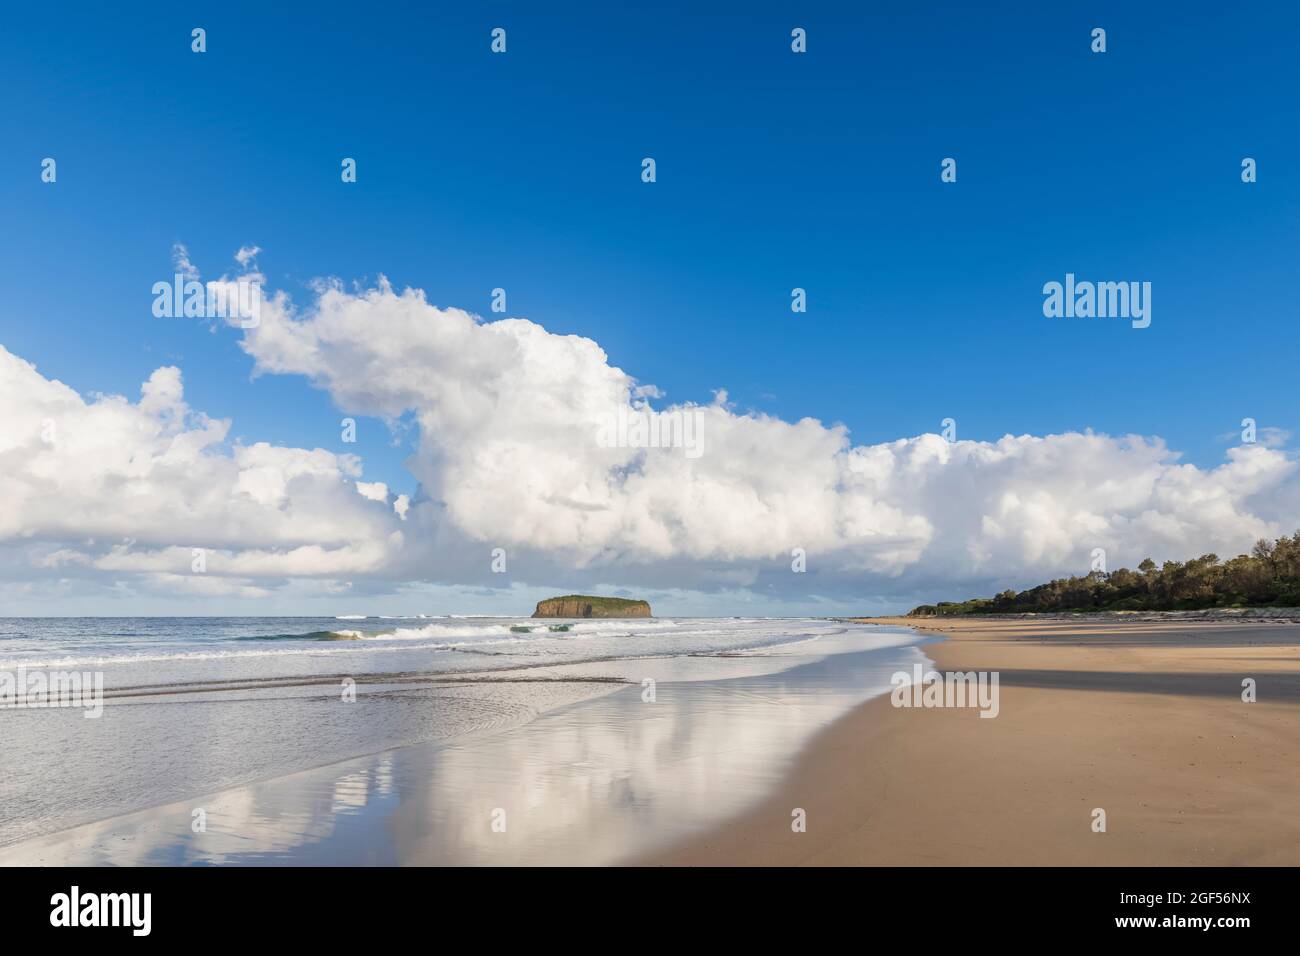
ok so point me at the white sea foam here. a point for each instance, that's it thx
(498, 637)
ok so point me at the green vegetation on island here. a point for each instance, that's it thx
(1267, 577)
(584, 605)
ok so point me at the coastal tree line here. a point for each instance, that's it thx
(1267, 577)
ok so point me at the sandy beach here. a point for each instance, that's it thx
(1143, 719)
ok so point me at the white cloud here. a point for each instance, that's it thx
(181, 260)
(508, 416)
(135, 487)
(508, 411)
(374, 490)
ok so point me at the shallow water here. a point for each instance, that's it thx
(194, 705)
(602, 774)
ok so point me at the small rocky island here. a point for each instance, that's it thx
(584, 605)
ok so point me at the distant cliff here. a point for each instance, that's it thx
(584, 605)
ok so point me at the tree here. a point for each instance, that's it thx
(1269, 575)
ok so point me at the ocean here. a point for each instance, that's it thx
(196, 706)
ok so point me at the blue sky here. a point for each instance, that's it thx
(775, 170)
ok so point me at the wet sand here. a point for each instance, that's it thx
(1144, 720)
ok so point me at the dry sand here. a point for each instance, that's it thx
(1142, 719)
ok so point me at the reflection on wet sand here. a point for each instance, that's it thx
(590, 783)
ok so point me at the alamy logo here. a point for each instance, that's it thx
(1101, 300)
(953, 689)
(103, 909)
(22, 689)
(646, 428)
(189, 298)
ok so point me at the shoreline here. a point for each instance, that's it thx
(192, 708)
(1142, 719)
(592, 782)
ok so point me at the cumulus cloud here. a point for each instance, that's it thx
(135, 487)
(513, 450)
(508, 454)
